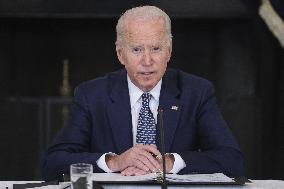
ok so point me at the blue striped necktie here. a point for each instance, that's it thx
(146, 128)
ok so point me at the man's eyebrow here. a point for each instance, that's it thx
(136, 46)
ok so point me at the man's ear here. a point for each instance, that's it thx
(119, 53)
(169, 52)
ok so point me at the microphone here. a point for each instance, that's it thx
(162, 143)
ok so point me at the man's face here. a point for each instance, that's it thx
(145, 52)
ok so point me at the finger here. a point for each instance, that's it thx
(157, 155)
(142, 163)
(138, 156)
(131, 158)
(153, 155)
(147, 159)
(152, 163)
(134, 171)
(148, 152)
(127, 171)
(151, 149)
(139, 172)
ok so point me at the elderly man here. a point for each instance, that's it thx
(113, 119)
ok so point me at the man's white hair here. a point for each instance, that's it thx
(143, 12)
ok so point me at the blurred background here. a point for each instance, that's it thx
(49, 47)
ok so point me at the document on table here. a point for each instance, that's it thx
(216, 177)
(108, 177)
(102, 177)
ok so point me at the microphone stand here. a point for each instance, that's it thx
(162, 142)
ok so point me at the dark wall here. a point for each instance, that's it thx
(230, 46)
(37, 48)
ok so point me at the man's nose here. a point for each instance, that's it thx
(147, 58)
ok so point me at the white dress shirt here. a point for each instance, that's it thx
(135, 104)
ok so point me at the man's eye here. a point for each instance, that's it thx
(156, 49)
(136, 50)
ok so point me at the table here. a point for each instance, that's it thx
(256, 184)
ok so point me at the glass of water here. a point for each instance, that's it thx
(81, 174)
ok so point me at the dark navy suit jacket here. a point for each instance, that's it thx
(100, 122)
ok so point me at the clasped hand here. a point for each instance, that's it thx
(138, 160)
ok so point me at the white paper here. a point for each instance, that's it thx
(216, 177)
(60, 186)
(119, 177)
(9, 184)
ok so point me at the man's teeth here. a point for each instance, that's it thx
(147, 73)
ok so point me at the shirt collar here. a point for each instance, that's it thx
(135, 93)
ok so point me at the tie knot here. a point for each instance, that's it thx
(146, 97)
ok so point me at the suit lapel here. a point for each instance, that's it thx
(171, 105)
(119, 112)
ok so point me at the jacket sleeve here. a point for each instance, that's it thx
(72, 144)
(217, 149)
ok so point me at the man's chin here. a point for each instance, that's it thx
(147, 87)
(147, 83)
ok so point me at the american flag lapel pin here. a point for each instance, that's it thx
(174, 108)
